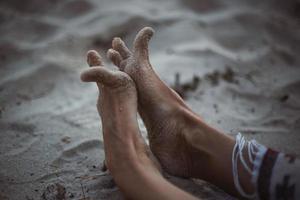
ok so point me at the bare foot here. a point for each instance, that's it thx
(117, 106)
(184, 144)
(134, 168)
(169, 122)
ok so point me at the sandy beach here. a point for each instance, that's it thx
(236, 63)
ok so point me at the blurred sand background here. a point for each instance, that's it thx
(238, 65)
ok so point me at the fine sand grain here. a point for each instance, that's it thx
(235, 62)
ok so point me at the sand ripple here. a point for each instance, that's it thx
(244, 55)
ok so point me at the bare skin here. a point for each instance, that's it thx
(182, 142)
(131, 163)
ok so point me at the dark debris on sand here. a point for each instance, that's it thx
(183, 88)
(54, 192)
(214, 78)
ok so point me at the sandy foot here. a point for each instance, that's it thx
(238, 68)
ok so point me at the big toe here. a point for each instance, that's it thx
(106, 77)
(141, 42)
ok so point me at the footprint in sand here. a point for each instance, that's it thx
(78, 154)
(19, 138)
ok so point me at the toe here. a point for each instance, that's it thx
(141, 42)
(115, 57)
(99, 74)
(120, 46)
(94, 58)
(106, 77)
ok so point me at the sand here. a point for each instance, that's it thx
(237, 62)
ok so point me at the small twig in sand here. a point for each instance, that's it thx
(82, 190)
(83, 193)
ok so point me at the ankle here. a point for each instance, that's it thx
(211, 151)
(198, 134)
(207, 143)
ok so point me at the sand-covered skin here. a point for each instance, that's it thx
(245, 56)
